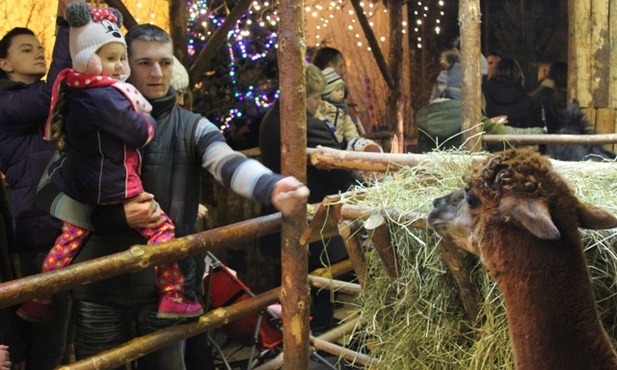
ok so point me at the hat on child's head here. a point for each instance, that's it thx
(332, 81)
(91, 28)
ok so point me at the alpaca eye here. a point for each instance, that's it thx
(472, 201)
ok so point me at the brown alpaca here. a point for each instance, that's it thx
(523, 220)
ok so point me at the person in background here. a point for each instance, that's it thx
(332, 110)
(180, 83)
(111, 312)
(504, 94)
(11, 332)
(25, 98)
(492, 60)
(449, 79)
(100, 161)
(544, 64)
(320, 182)
(328, 57)
(550, 97)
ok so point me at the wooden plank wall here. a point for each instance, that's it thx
(592, 63)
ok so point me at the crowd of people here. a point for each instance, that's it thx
(507, 107)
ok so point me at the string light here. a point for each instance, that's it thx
(242, 49)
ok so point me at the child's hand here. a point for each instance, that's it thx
(290, 196)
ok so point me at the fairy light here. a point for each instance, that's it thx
(242, 49)
(428, 16)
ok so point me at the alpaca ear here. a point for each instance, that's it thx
(594, 218)
(532, 214)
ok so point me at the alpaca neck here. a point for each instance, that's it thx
(551, 312)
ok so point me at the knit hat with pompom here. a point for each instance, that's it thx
(91, 28)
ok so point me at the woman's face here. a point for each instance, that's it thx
(25, 60)
(312, 103)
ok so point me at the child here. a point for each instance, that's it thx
(99, 134)
(334, 112)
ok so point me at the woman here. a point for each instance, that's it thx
(504, 94)
(24, 154)
(550, 97)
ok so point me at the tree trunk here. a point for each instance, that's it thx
(294, 259)
(469, 15)
(177, 29)
(396, 104)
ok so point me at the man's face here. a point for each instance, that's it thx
(25, 61)
(339, 66)
(492, 61)
(151, 67)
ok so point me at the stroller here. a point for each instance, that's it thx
(261, 332)
(258, 332)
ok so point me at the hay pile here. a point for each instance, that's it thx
(419, 323)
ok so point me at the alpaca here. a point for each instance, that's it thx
(522, 219)
(572, 121)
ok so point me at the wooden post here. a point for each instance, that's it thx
(348, 230)
(469, 17)
(294, 258)
(579, 49)
(612, 39)
(138, 347)
(599, 54)
(138, 257)
(379, 234)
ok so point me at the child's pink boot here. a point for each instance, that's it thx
(35, 311)
(174, 305)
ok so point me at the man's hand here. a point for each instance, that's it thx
(142, 211)
(5, 358)
(290, 196)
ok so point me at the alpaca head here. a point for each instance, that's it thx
(513, 190)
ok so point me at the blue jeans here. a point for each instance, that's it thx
(99, 327)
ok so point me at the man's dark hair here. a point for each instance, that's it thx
(325, 55)
(495, 53)
(5, 43)
(147, 33)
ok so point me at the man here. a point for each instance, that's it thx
(184, 143)
(328, 57)
(493, 58)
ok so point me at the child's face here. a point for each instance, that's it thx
(312, 103)
(338, 93)
(113, 57)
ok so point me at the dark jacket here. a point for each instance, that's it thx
(505, 96)
(101, 163)
(23, 152)
(545, 107)
(320, 182)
